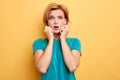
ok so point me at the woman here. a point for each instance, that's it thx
(56, 57)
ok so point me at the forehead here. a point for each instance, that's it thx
(57, 12)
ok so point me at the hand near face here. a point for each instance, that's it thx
(64, 31)
(49, 32)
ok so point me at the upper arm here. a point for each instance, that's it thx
(76, 47)
(38, 46)
(38, 49)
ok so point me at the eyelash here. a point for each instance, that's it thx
(60, 17)
(51, 17)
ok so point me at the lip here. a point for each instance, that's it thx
(56, 27)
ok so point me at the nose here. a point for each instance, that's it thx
(55, 21)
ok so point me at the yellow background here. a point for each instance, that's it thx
(95, 22)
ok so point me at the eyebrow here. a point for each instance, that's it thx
(60, 16)
(57, 16)
(52, 16)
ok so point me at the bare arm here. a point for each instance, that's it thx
(42, 59)
(71, 58)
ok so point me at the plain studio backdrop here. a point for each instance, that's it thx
(95, 22)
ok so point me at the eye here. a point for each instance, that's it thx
(60, 17)
(51, 17)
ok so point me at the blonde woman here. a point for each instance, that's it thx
(57, 57)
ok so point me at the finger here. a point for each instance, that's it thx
(50, 29)
(66, 28)
(62, 29)
(45, 29)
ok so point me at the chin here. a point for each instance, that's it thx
(56, 32)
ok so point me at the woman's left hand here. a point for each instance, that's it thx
(64, 31)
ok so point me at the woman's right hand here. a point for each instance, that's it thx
(49, 32)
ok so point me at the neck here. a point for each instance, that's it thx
(56, 35)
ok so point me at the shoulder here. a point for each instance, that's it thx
(73, 42)
(39, 44)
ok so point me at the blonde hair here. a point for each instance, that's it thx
(55, 6)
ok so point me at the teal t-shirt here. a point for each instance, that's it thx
(57, 69)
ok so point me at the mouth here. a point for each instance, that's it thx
(56, 27)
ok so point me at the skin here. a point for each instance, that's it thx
(43, 58)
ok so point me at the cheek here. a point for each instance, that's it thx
(50, 23)
(62, 23)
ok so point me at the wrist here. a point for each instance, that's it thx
(62, 38)
(51, 39)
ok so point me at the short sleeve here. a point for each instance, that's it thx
(76, 45)
(37, 45)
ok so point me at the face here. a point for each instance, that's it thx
(56, 20)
